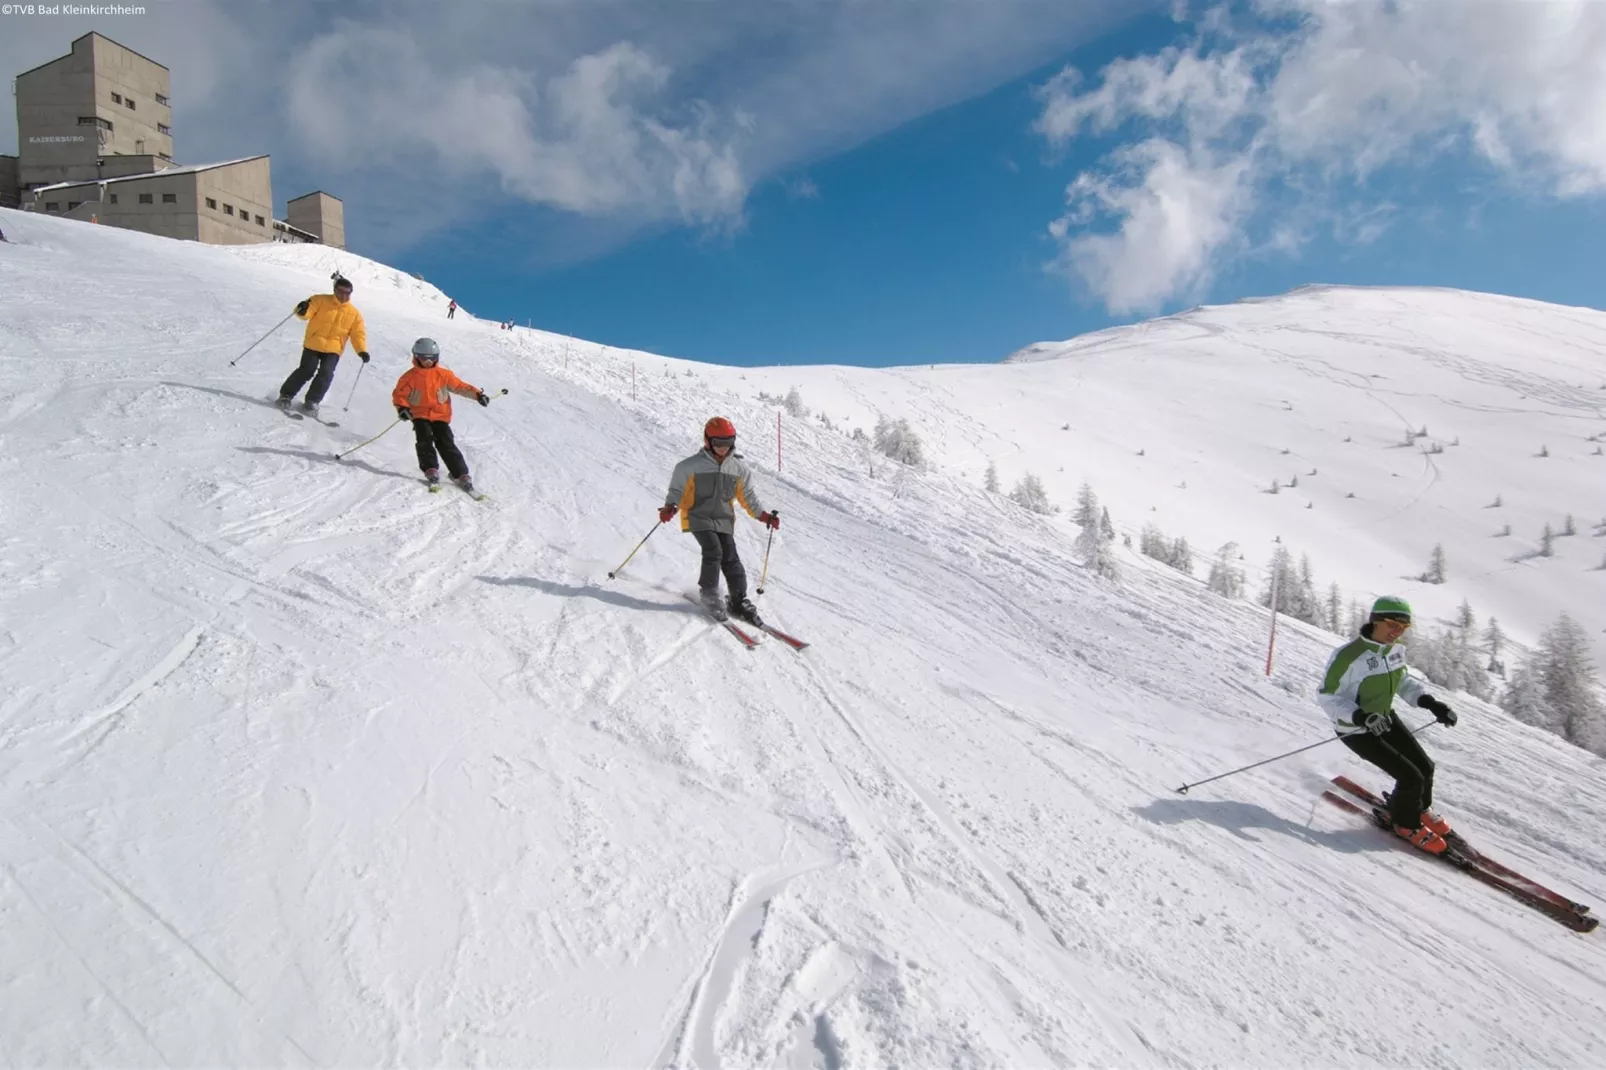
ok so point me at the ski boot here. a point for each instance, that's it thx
(709, 597)
(432, 476)
(1439, 825)
(283, 403)
(465, 482)
(1423, 837)
(310, 408)
(744, 609)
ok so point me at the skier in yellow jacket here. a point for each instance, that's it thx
(331, 322)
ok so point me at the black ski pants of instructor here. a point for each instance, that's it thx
(1398, 754)
(319, 367)
(719, 555)
(432, 435)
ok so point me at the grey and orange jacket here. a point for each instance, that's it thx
(427, 392)
(703, 489)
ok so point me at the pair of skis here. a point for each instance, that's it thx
(1471, 861)
(742, 635)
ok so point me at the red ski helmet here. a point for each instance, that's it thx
(718, 427)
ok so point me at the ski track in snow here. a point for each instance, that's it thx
(304, 765)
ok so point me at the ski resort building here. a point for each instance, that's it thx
(95, 143)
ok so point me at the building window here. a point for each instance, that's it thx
(117, 98)
(130, 102)
(146, 198)
(169, 198)
(260, 222)
(52, 206)
(112, 198)
(162, 128)
(161, 100)
(73, 204)
(210, 203)
(228, 209)
(94, 120)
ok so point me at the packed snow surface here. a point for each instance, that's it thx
(303, 765)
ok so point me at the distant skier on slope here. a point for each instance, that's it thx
(423, 395)
(702, 488)
(451, 309)
(331, 322)
(1363, 676)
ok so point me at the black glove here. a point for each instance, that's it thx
(364, 355)
(1376, 723)
(483, 398)
(403, 412)
(1441, 713)
(301, 309)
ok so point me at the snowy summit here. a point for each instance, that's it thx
(302, 764)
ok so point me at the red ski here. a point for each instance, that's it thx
(791, 641)
(1551, 904)
(741, 636)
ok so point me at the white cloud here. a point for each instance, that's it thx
(623, 113)
(1317, 97)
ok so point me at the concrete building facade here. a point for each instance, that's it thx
(10, 184)
(95, 141)
(319, 213)
(220, 204)
(99, 100)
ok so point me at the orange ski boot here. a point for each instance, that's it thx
(1431, 820)
(1425, 838)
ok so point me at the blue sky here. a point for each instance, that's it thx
(838, 181)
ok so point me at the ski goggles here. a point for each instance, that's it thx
(724, 442)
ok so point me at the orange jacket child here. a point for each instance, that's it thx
(423, 395)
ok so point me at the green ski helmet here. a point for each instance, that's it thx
(1391, 607)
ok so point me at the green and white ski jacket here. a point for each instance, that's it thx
(1367, 676)
(702, 489)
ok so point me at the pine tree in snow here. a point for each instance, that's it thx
(1524, 699)
(1153, 543)
(1464, 618)
(898, 440)
(1096, 551)
(1181, 557)
(1567, 675)
(1494, 641)
(1545, 540)
(1029, 494)
(1226, 578)
(1568, 527)
(1106, 528)
(1435, 573)
(794, 404)
(991, 479)
(1333, 616)
(1358, 614)
(1307, 604)
(1087, 507)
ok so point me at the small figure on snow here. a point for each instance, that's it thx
(423, 395)
(702, 488)
(451, 309)
(331, 322)
(1358, 689)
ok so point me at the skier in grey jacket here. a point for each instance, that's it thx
(702, 489)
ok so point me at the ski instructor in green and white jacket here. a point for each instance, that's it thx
(1358, 689)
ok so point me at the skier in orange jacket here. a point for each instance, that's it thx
(423, 395)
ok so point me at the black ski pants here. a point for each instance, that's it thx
(1398, 754)
(319, 367)
(719, 555)
(432, 435)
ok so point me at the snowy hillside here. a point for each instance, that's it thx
(302, 765)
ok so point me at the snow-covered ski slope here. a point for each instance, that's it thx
(302, 765)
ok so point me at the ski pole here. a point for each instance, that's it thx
(639, 545)
(1220, 776)
(259, 341)
(354, 382)
(360, 445)
(775, 513)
